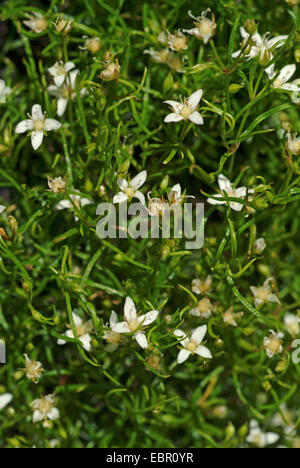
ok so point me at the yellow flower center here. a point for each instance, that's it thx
(41, 24)
(274, 345)
(133, 325)
(191, 346)
(39, 125)
(129, 192)
(185, 112)
(205, 27)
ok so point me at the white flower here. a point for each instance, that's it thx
(36, 22)
(78, 201)
(273, 343)
(56, 185)
(230, 318)
(33, 369)
(44, 409)
(203, 286)
(192, 345)
(259, 245)
(156, 206)
(258, 45)
(204, 27)
(110, 336)
(134, 323)
(111, 71)
(5, 399)
(59, 71)
(65, 92)
(292, 324)
(264, 293)
(92, 44)
(281, 81)
(204, 309)
(166, 56)
(175, 196)
(177, 42)
(83, 330)
(38, 124)
(2, 208)
(130, 190)
(259, 438)
(4, 91)
(186, 110)
(293, 143)
(63, 24)
(227, 189)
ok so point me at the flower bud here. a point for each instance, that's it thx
(250, 26)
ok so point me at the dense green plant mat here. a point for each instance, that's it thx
(148, 387)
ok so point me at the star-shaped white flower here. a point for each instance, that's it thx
(293, 143)
(192, 345)
(38, 125)
(36, 22)
(204, 27)
(232, 192)
(175, 196)
(259, 438)
(292, 324)
(44, 409)
(202, 286)
(83, 330)
(59, 71)
(5, 399)
(258, 45)
(134, 323)
(4, 91)
(186, 110)
(65, 92)
(281, 80)
(130, 190)
(78, 201)
(263, 294)
(33, 369)
(273, 343)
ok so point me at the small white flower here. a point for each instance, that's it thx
(204, 27)
(204, 309)
(113, 339)
(36, 22)
(177, 42)
(65, 92)
(4, 91)
(202, 286)
(175, 196)
(259, 438)
(56, 184)
(293, 143)
(281, 81)
(230, 318)
(259, 245)
(130, 190)
(44, 409)
(78, 201)
(156, 206)
(111, 71)
(33, 369)
(5, 399)
(273, 343)
(192, 345)
(134, 324)
(38, 124)
(259, 46)
(59, 71)
(227, 188)
(263, 294)
(83, 330)
(92, 44)
(186, 110)
(292, 324)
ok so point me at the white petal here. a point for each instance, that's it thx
(203, 352)
(198, 334)
(235, 206)
(59, 80)
(184, 340)
(5, 399)
(291, 87)
(148, 318)
(122, 184)
(286, 73)
(37, 416)
(53, 70)
(2, 86)
(173, 118)
(196, 118)
(121, 327)
(24, 126)
(52, 124)
(77, 319)
(141, 339)
(176, 106)
(212, 201)
(138, 180)
(36, 112)
(61, 106)
(63, 205)
(177, 189)
(141, 197)
(224, 183)
(278, 41)
(72, 80)
(129, 309)
(69, 66)
(2, 208)
(86, 341)
(120, 198)
(113, 319)
(183, 355)
(194, 99)
(37, 139)
(244, 33)
(271, 438)
(53, 414)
